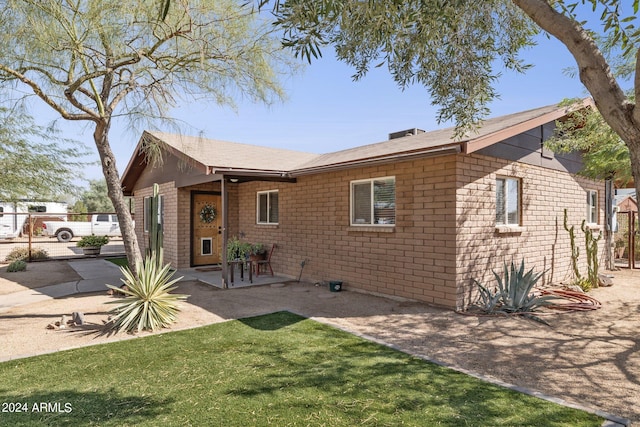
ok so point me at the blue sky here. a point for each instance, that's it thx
(327, 111)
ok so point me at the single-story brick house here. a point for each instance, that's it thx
(417, 216)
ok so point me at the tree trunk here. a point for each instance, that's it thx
(114, 188)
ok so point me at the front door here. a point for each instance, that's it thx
(206, 225)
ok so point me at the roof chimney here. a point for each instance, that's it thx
(403, 133)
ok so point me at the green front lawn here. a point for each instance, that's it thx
(278, 369)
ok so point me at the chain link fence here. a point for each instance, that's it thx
(38, 236)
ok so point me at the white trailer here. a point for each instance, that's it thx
(13, 215)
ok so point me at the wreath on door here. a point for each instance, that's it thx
(208, 214)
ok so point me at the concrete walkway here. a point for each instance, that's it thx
(95, 273)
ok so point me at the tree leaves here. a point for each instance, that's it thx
(605, 155)
(450, 47)
(34, 162)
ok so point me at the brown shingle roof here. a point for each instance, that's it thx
(492, 131)
(231, 157)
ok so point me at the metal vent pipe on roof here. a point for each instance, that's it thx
(403, 133)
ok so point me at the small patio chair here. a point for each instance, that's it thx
(265, 262)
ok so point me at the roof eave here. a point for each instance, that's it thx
(138, 163)
(474, 144)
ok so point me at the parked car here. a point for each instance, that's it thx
(100, 225)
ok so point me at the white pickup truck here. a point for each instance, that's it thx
(100, 225)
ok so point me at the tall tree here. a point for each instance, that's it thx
(96, 197)
(605, 155)
(94, 60)
(451, 47)
(35, 162)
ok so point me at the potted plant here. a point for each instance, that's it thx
(258, 252)
(237, 250)
(91, 244)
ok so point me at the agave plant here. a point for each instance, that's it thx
(148, 303)
(513, 293)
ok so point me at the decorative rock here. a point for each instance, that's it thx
(78, 318)
(604, 280)
(575, 288)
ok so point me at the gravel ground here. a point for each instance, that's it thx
(591, 358)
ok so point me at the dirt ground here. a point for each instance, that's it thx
(591, 358)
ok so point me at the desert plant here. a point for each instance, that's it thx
(22, 254)
(591, 245)
(18, 265)
(575, 252)
(92, 241)
(591, 248)
(156, 236)
(148, 303)
(513, 293)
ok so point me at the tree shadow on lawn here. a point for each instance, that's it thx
(74, 408)
(272, 322)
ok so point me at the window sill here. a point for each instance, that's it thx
(509, 229)
(373, 228)
(273, 226)
(593, 226)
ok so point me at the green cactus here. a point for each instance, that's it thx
(591, 248)
(591, 244)
(155, 227)
(575, 251)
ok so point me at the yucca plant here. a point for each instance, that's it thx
(148, 303)
(513, 293)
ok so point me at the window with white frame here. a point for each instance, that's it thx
(267, 207)
(373, 201)
(148, 213)
(507, 201)
(592, 207)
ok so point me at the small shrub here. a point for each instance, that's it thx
(18, 265)
(583, 283)
(22, 254)
(92, 241)
(148, 303)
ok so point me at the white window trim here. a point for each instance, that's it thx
(373, 224)
(589, 222)
(268, 222)
(509, 227)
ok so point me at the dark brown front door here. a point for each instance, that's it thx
(206, 225)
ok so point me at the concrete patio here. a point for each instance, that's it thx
(213, 276)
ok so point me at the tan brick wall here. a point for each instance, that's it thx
(170, 226)
(543, 242)
(416, 260)
(444, 235)
(177, 220)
